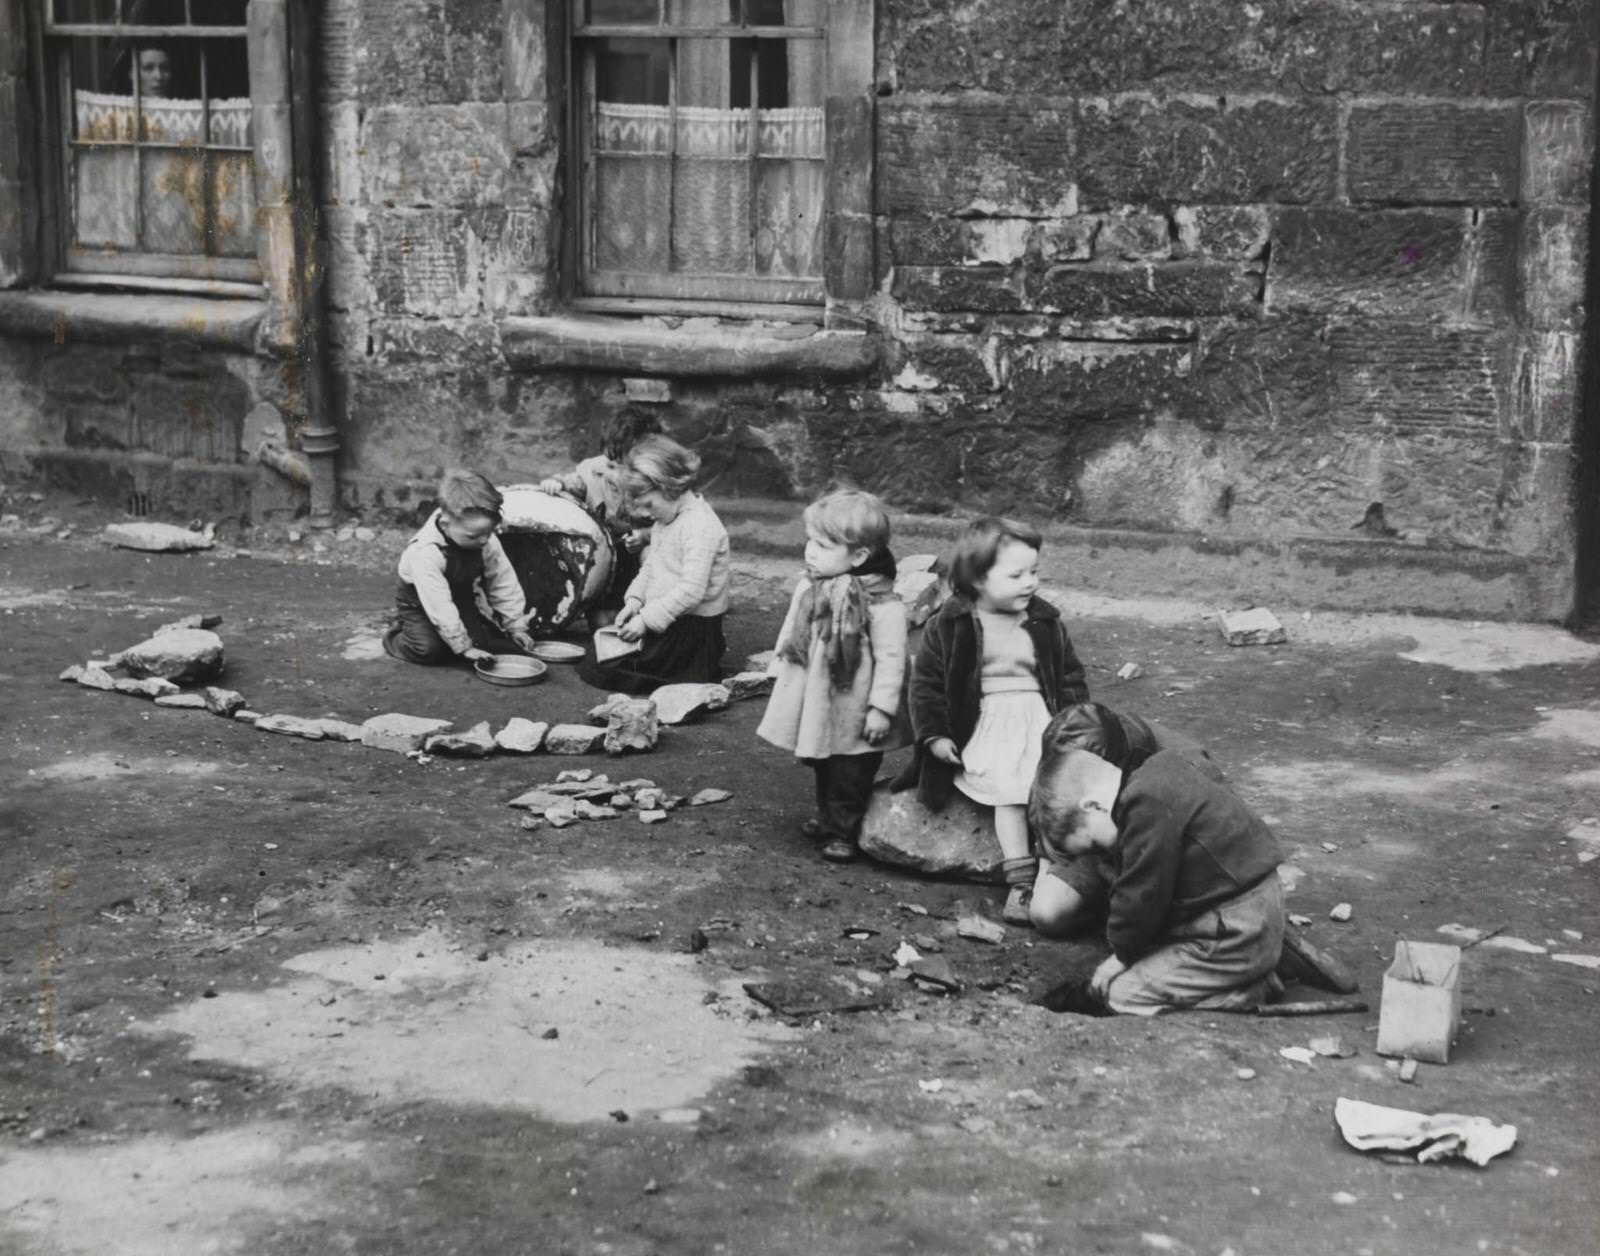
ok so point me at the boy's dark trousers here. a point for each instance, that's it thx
(412, 638)
(844, 788)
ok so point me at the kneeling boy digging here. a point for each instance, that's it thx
(1196, 915)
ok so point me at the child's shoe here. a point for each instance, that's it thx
(1018, 900)
(840, 850)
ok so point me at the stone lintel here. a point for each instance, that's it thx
(630, 347)
(118, 317)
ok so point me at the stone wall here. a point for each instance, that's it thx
(1179, 266)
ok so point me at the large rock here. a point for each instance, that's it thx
(474, 743)
(632, 725)
(574, 739)
(156, 537)
(958, 841)
(290, 726)
(521, 736)
(185, 656)
(920, 592)
(676, 704)
(400, 733)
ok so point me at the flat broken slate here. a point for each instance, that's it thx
(677, 704)
(708, 796)
(188, 701)
(290, 726)
(474, 743)
(400, 733)
(521, 736)
(808, 996)
(574, 739)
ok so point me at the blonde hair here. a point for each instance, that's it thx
(659, 462)
(849, 517)
(463, 492)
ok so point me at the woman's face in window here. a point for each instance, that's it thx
(155, 72)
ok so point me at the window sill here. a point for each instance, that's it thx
(630, 346)
(115, 318)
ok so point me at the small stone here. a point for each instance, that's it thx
(247, 716)
(677, 704)
(92, 677)
(338, 730)
(708, 796)
(574, 776)
(587, 810)
(290, 726)
(1245, 1074)
(980, 929)
(636, 783)
(156, 537)
(521, 736)
(600, 713)
(1256, 626)
(652, 1187)
(1408, 1070)
(148, 687)
(222, 701)
(189, 656)
(400, 733)
(551, 1034)
(189, 621)
(1129, 671)
(1341, 912)
(749, 685)
(365, 534)
(561, 815)
(574, 739)
(622, 802)
(632, 727)
(72, 673)
(679, 1116)
(652, 817)
(650, 799)
(188, 701)
(532, 823)
(474, 743)
(592, 788)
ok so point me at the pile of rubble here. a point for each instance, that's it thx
(583, 794)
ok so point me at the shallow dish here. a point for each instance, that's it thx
(510, 669)
(557, 651)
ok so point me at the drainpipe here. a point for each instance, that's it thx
(319, 438)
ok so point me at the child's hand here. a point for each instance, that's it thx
(524, 642)
(876, 727)
(944, 750)
(632, 630)
(474, 655)
(636, 540)
(553, 487)
(1110, 969)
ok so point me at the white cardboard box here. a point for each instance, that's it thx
(1421, 1007)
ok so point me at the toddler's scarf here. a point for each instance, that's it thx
(833, 614)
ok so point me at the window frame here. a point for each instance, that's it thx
(72, 265)
(847, 278)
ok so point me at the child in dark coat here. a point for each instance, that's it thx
(436, 617)
(1196, 915)
(994, 665)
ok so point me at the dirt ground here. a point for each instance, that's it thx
(264, 995)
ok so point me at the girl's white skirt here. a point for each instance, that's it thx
(999, 762)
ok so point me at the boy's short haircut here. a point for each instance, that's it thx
(976, 549)
(626, 428)
(463, 492)
(850, 517)
(658, 462)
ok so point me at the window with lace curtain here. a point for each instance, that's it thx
(701, 142)
(156, 159)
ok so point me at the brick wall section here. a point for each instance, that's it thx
(1370, 222)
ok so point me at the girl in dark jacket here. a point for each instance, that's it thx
(994, 665)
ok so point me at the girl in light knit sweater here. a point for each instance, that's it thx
(674, 607)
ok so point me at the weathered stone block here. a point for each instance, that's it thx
(428, 52)
(186, 656)
(677, 704)
(290, 726)
(958, 841)
(521, 736)
(986, 289)
(155, 537)
(1373, 261)
(574, 739)
(952, 363)
(632, 725)
(222, 702)
(749, 685)
(424, 262)
(1555, 253)
(1190, 289)
(1405, 375)
(1227, 232)
(1436, 153)
(149, 687)
(1133, 235)
(439, 155)
(1557, 151)
(400, 733)
(1067, 239)
(1274, 374)
(1132, 150)
(339, 730)
(187, 701)
(1490, 266)
(1544, 388)
(471, 743)
(1010, 158)
(1256, 626)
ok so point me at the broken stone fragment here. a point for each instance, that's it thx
(980, 929)
(920, 592)
(222, 701)
(157, 537)
(92, 677)
(574, 776)
(400, 733)
(290, 726)
(594, 788)
(676, 704)
(574, 739)
(593, 811)
(338, 730)
(474, 743)
(650, 799)
(749, 685)
(540, 800)
(1256, 626)
(532, 823)
(935, 974)
(149, 687)
(636, 783)
(632, 726)
(189, 701)
(189, 621)
(762, 661)
(558, 817)
(247, 716)
(707, 796)
(622, 802)
(72, 673)
(651, 816)
(1129, 671)
(521, 736)
(600, 713)
(186, 656)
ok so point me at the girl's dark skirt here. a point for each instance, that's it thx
(689, 651)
